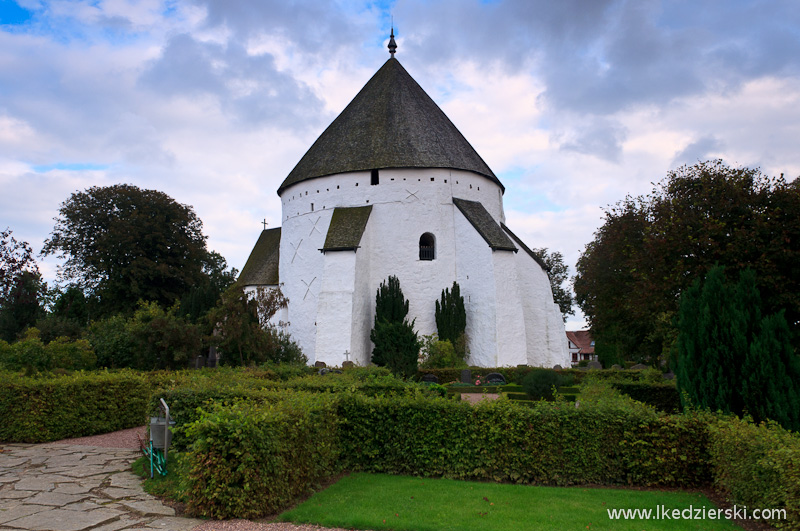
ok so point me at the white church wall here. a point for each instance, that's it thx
(509, 313)
(557, 337)
(475, 273)
(301, 267)
(537, 306)
(363, 301)
(335, 308)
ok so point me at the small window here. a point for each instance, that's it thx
(427, 247)
(374, 179)
(312, 207)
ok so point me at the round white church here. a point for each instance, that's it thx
(391, 187)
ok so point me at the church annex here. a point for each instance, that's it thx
(391, 187)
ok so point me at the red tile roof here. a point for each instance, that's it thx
(583, 340)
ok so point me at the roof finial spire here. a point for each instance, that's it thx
(392, 44)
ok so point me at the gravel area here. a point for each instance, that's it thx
(118, 439)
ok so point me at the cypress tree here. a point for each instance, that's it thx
(390, 304)
(730, 358)
(451, 316)
(396, 344)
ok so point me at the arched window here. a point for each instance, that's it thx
(427, 247)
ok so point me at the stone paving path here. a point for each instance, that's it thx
(61, 487)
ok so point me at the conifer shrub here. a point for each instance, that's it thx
(451, 321)
(396, 344)
(733, 359)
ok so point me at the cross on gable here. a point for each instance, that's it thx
(265, 223)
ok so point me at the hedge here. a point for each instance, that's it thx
(57, 407)
(757, 465)
(552, 443)
(664, 397)
(249, 460)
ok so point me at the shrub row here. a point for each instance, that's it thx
(664, 397)
(517, 374)
(757, 465)
(249, 460)
(48, 409)
(239, 475)
(552, 443)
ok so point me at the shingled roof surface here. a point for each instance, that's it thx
(261, 268)
(526, 248)
(485, 224)
(346, 228)
(391, 123)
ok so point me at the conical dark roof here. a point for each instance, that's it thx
(391, 123)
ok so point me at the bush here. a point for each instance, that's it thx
(250, 460)
(32, 355)
(113, 343)
(51, 408)
(539, 384)
(437, 354)
(757, 465)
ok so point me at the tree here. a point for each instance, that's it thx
(451, 321)
(396, 343)
(650, 249)
(243, 333)
(732, 359)
(123, 244)
(558, 273)
(201, 297)
(15, 257)
(21, 307)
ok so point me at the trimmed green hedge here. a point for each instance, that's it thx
(664, 397)
(757, 465)
(249, 460)
(59, 407)
(552, 443)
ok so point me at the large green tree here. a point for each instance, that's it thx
(20, 287)
(651, 248)
(122, 244)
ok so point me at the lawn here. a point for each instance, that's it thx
(378, 502)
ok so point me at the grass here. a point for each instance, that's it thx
(172, 486)
(382, 502)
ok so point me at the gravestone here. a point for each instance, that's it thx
(348, 364)
(557, 367)
(669, 375)
(639, 367)
(466, 376)
(616, 367)
(320, 364)
(495, 378)
(594, 365)
(430, 378)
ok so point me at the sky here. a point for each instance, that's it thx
(574, 104)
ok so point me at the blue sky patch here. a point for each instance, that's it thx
(11, 13)
(70, 166)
